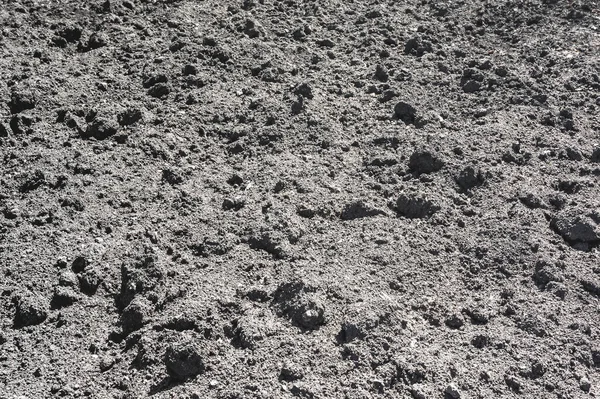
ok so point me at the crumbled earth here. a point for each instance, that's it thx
(279, 199)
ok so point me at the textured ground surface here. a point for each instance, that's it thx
(311, 199)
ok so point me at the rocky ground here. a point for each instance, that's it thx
(300, 198)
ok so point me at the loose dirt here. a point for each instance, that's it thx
(310, 199)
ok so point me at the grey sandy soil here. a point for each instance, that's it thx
(299, 199)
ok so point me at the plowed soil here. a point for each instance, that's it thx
(299, 199)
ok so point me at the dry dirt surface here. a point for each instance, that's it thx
(299, 199)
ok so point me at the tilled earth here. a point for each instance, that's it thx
(311, 199)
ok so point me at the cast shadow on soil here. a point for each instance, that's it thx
(166, 384)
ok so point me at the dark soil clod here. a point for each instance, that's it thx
(30, 310)
(183, 360)
(424, 161)
(21, 101)
(413, 206)
(359, 209)
(101, 128)
(405, 112)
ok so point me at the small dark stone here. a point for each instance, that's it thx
(569, 186)
(477, 315)
(299, 34)
(501, 71)
(237, 147)
(538, 369)
(573, 154)
(106, 363)
(372, 14)
(584, 384)
(548, 120)
(191, 99)
(59, 42)
(310, 316)
(177, 45)
(351, 331)
(565, 113)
